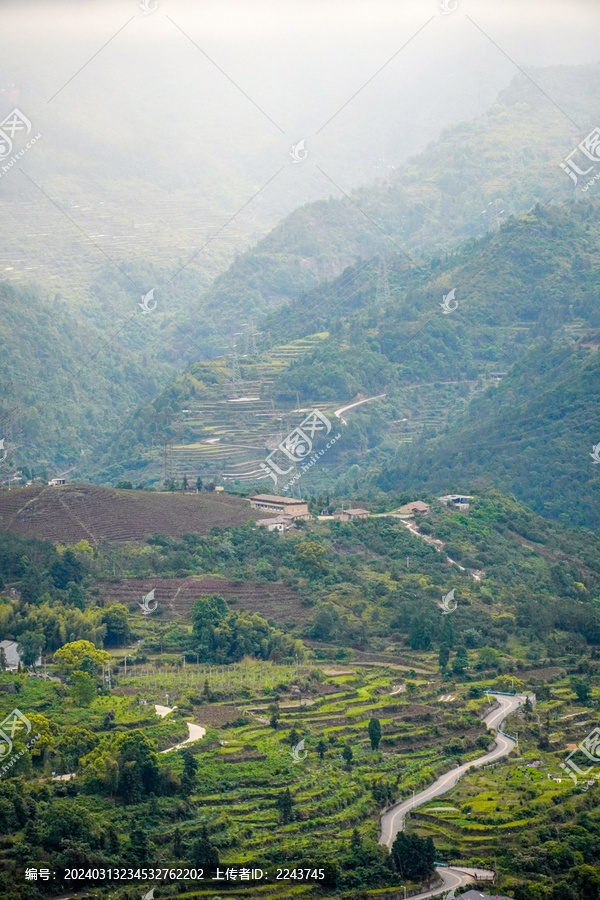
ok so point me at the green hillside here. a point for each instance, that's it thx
(371, 643)
(534, 435)
(462, 185)
(382, 331)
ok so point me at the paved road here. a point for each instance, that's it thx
(392, 820)
(196, 733)
(452, 880)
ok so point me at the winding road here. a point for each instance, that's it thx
(392, 820)
(343, 409)
(195, 732)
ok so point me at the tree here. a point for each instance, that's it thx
(3, 660)
(582, 690)
(138, 846)
(487, 658)
(294, 737)
(61, 821)
(311, 559)
(68, 568)
(204, 854)
(460, 661)
(284, 804)
(124, 486)
(444, 656)
(177, 844)
(274, 717)
(190, 770)
(47, 731)
(447, 634)
(137, 765)
(83, 688)
(211, 609)
(30, 646)
(198, 483)
(184, 483)
(375, 733)
(321, 748)
(74, 742)
(420, 633)
(116, 618)
(413, 857)
(347, 754)
(70, 656)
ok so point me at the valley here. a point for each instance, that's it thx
(299, 450)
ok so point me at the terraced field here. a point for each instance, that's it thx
(76, 512)
(176, 596)
(241, 774)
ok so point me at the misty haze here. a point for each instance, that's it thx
(299, 449)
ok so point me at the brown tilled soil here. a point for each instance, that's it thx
(176, 596)
(75, 512)
(216, 716)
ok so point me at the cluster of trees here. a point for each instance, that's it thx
(44, 820)
(221, 635)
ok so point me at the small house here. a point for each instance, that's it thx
(279, 523)
(415, 508)
(349, 515)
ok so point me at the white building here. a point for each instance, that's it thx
(12, 655)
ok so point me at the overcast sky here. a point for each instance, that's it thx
(193, 106)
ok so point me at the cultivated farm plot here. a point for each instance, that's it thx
(75, 512)
(176, 596)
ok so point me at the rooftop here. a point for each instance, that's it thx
(477, 895)
(418, 504)
(273, 498)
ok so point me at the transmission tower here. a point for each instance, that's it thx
(251, 336)
(236, 375)
(382, 294)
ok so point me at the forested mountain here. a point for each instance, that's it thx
(533, 435)
(517, 292)
(63, 381)
(463, 185)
